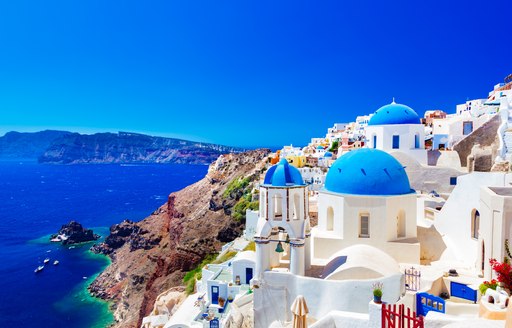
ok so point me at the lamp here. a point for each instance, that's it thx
(279, 247)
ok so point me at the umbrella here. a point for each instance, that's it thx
(300, 311)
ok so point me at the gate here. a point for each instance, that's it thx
(412, 279)
(426, 302)
(214, 323)
(394, 316)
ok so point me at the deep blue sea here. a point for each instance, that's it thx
(35, 200)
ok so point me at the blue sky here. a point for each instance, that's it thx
(250, 73)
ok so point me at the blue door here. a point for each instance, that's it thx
(248, 275)
(214, 323)
(427, 302)
(215, 295)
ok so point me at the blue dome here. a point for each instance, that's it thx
(367, 172)
(283, 175)
(328, 154)
(394, 114)
(319, 147)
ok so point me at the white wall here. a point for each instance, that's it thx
(454, 219)
(382, 210)
(277, 291)
(239, 267)
(406, 133)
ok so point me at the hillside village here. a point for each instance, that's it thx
(387, 221)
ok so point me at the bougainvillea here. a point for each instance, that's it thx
(504, 272)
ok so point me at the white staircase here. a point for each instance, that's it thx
(507, 139)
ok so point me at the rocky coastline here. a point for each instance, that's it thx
(153, 255)
(74, 233)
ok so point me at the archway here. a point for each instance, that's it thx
(330, 219)
(400, 224)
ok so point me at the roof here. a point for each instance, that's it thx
(367, 172)
(246, 255)
(394, 114)
(283, 175)
(361, 256)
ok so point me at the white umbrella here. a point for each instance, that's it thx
(300, 311)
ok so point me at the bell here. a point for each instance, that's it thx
(279, 248)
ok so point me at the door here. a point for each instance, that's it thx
(214, 323)
(427, 302)
(215, 294)
(248, 275)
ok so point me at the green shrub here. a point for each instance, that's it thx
(236, 186)
(239, 209)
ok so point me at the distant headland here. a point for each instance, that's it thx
(63, 147)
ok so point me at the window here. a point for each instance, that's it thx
(396, 142)
(364, 226)
(374, 141)
(453, 181)
(400, 224)
(278, 206)
(475, 223)
(416, 141)
(467, 128)
(330, 219)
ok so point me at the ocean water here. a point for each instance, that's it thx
(35, 200)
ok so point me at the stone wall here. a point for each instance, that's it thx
(485, 136)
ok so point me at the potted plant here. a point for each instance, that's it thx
(377, 292)
(221, 302)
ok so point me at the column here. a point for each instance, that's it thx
(262, 256)
(307, 249)
(297, 257)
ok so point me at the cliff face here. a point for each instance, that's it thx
(151, 256)
(27, 146)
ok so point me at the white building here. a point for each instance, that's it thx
(283, 217)
(397, 128)
(367, 200)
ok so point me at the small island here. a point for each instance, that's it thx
(73, 233)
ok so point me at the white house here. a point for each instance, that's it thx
(243, 267)
(397, 128)
(367, 200)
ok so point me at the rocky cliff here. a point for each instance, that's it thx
(27, 146)
(126, 147)
(151, 256)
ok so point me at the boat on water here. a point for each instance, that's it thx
(46, 260)
(39, 269)
(55, 262)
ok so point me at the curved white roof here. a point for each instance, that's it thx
(246, 255)
(361, 257)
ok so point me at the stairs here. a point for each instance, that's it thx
(508, 143)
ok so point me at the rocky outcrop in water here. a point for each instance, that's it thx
(74, 233)
(152, 256)
(124, 147)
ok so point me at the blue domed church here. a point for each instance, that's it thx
(397, 128)
(366, 200)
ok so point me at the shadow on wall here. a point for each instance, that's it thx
(432, 245)
(432, 157)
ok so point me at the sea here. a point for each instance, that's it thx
(35, 200)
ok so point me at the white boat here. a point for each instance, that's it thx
(39, 269)
(46, 260)
(55, 262)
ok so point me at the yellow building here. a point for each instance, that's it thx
(297, 161)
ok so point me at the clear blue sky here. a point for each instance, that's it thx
(241, 72)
